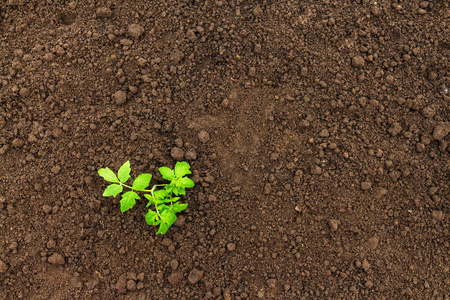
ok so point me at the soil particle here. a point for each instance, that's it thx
(438, 215)
(252, 72)
(271, 283)
(203, 136)
(334, 224)
(267, 188)
(365, 265)
(366, 185)
(195, 276)
(56, 169)
(441, 131)
(104, 12)
(231, 247)
(121, 284)
(257, 48)
(177, 56)
(24, 92)
(131, 285)
(18, 143)
(324, 133)
(381, 192)
(175, 278)
(47, 209)
(3, 267)
(375, 10)
(174, 264)
(190, 155)
(316, 170)
(120, 97)
(177, 153)
(428, 112)
(358, 61)
(368, 284)
(372, 243)
(135, 30)
(190, 34)
(180, 221)
(56, 259)
(395, 129)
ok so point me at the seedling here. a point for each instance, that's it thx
(163, 197)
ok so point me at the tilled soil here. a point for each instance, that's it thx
(317, 132)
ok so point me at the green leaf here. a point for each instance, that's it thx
(142, 181)
(179, 191)
(177, 207)
(128, 201)
(108, 175)
(150, 199)
(124, 172)
(169, 188)
(161, 194)
(181, 169)
(184, 182)
(113, 190)
(167, 173)
(168, 217)
(152, 218)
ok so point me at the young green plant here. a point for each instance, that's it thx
(162, 197)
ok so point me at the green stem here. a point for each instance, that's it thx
(148, 191)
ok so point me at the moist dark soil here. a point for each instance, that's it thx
(317, 132)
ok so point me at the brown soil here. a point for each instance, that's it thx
(325, 176)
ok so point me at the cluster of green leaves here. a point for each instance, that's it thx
(162, 197)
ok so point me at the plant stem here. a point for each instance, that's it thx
(149, 191)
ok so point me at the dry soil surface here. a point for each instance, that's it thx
(317, 132)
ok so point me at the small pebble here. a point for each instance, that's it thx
(104, 12)
(333, 224)
(231, 247)
(366, 185)
(3, 267)
(120, 97)
(316, 170)
(190, 155)
(56, 259)
(358, 61)
(18, 143)
(175, 278)
(372, 243)
(174, 264)
(203, 136)
(441, 131)
(177, 153)
(195, 276)
(272, 283)
(438, 215)
(24, 92)
(135, 30)
(46, 208)
(365, 265)
(131, 285)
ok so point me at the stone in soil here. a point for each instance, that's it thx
(120, 97)
(358, 61)
(3, 267)
(175, 278)
(56, 259)
(203, 136)
(441, 131)
(177, 153)
(104, 12)
(135, 30)
(195, 276)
